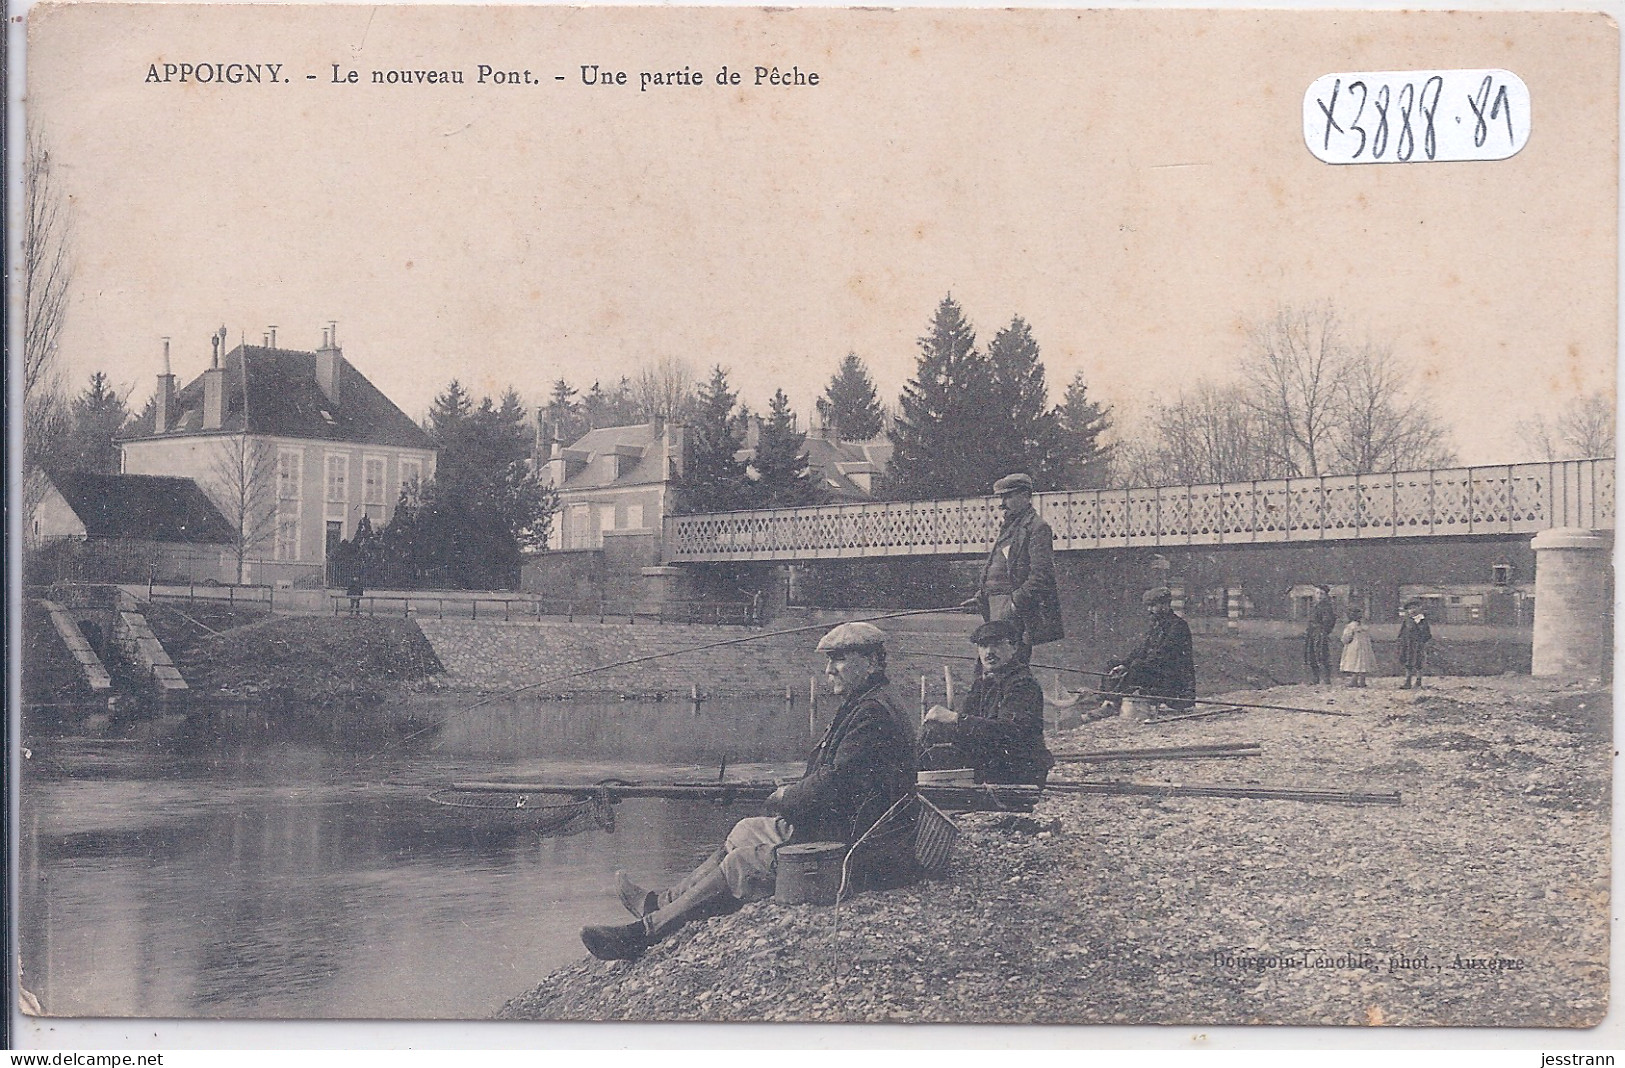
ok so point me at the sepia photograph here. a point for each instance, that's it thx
(814, 515)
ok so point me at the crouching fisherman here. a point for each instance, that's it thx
(861, 770)
(1162, 667)
(1000, 731)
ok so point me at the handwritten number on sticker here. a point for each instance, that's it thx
(1429, 108)
(1501, 106)
(1355, 125)
(1416, 116)
(1379, 140)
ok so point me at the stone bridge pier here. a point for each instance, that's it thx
(1574, 601)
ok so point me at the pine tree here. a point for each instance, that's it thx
(561, 419)
(939, 441)
(850, 403)
(714, 479)
(96, 416)
(449, 409)
(1082, 461)
(1027, 437)
(612, 407)
(782, 477)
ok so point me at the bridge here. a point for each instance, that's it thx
(1450, 502)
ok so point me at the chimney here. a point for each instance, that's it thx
(270, 337)
(330, 364)
(214, 393)
(676, 445)
(557, 469)
(165, 397)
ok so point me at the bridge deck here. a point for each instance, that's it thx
(1460, 501)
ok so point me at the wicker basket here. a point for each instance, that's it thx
(934, 838)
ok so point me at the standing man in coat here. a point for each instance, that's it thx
(861, 772)
(1317, 636)
(1000, 731)
(1018, 579)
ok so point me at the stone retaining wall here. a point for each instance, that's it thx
(501, 656)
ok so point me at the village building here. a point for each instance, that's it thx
(293, 447)
(108, 528)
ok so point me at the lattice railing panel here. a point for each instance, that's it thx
(1520, 498)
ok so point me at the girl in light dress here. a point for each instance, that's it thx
(1359, 659)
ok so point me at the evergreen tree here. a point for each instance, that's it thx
(467, 526)
(1082, 461)
(562, 418)
(611, 407)
(782, 477)
(1026, 433)
(940, 438)
(95, 418)
(850, 403)
(714, 479)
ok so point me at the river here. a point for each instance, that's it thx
(250, 878)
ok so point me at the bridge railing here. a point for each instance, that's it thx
(1491, 499)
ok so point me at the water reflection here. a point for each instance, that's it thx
(292, 881)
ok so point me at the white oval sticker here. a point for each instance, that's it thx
(1416, 116)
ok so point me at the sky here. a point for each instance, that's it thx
(1133, 183)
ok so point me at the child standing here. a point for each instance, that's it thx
(1414, 635)
(1359, 660)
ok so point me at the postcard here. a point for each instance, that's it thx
(826, 515)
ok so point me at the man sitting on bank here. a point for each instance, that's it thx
(1162, 667)
(1000, 731)
(862, 769)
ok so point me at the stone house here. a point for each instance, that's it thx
(293, 447)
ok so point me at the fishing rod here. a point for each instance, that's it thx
(1145, 696)
(648, 657)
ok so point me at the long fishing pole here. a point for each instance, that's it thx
(648, 657)
(1145, 696)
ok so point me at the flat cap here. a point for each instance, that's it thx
(1157, 596)
(852, 636)
(998, 630)
(1012, 483)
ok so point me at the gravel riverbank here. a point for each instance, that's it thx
(1481, 900)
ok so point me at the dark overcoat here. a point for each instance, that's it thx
(1000, 731)
(1414, 634)
(1163, 664)
(1029, 545)
(864, 763)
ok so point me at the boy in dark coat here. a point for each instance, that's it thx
(1414, 635)
(1000, 731)
(861, 773)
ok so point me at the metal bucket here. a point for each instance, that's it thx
(809, 873)
(1137, 710)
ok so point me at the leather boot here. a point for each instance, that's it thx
(705, 897)
(638, 901)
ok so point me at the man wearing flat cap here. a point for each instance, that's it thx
(1162, 667)
(1018, 579)
(860, 774)
(1000, 731)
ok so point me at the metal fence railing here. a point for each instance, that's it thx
(1495, 499)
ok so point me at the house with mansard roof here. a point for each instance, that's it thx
(292, 446)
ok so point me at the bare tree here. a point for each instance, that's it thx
(1208, 434)
(1583, 428)
(242, 484)
(47, 275)
(1294, 370)
(664, 389)
(1382, 427)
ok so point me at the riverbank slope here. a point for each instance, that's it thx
(1481, 900)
